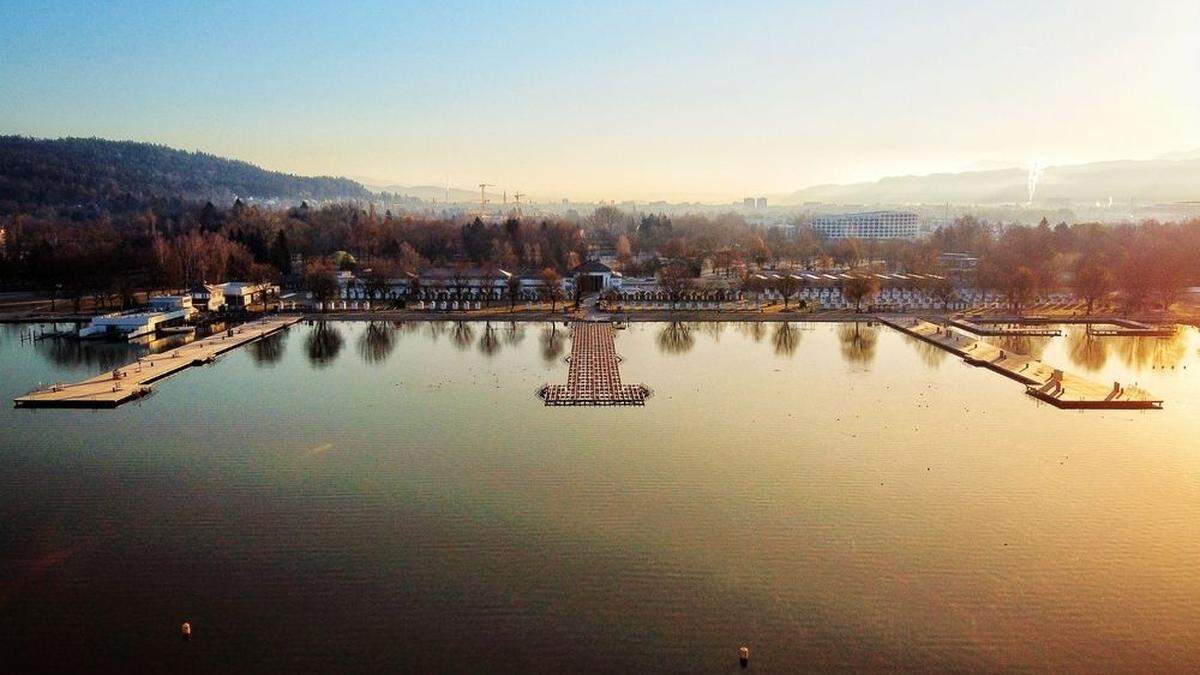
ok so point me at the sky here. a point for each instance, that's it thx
(612, 100)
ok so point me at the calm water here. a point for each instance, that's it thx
(371, 497)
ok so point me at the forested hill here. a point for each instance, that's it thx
(83, 171)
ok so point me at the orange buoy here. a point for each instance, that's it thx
(186, 630)
(744, 656)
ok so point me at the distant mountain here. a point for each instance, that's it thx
(1181, 154)
(426, 192)
(1156, 180)
(70, 171)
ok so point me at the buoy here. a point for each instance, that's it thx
(744, 656)
(186, 630)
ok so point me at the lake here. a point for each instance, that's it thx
(371, 496)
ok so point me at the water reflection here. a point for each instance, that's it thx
(436, 329)
(1156, 352)
(676, 338)
(376, 343)
(1022, 344)
(268, 351)
(931, 355)
(553, 341)
(462, 335)
(514, 333)
(712, 329)
(785, 338)
(94, 354)
(408, 327)
(489, 342)
(1086, 351)
(323, 344)
(857, 341)
(755, 330)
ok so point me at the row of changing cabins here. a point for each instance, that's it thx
(445, 289)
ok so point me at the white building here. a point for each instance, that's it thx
(868, 225)
(246, 293)
(594, 276)
(131, 324)
(208, 297)
(172, 303)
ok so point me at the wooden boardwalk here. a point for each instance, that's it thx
(594, 376)
(112, 388)
(1042, 381)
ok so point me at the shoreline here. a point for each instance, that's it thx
(771, 315)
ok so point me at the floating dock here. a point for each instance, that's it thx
(594, 376)
(130, 382)
(1128, 328)
(997, 329)
(1029, 325)
(1042, 381)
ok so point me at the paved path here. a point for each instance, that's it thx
(112, 388)
(1043, 381)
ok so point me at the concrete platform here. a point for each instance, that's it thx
(112, 388)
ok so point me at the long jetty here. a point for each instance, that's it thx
(594, 376)
(1042, 381)
(133, 381)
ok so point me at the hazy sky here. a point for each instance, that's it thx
(612, 99)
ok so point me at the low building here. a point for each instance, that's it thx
(594, 276)
(131, 324)
(171, 303)
(868, 225)
(242, 294)
(208, 297)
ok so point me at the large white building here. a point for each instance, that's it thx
(868, 225)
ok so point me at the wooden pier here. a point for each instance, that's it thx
(130, 382)
(594, 376)
(1042, 381)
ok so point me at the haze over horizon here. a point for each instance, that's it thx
(680, 101)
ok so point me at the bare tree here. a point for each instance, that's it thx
(552, 286)
(1092, 282)
(859, 288)
(675, 280)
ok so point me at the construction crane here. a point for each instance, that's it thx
(517, 196)
(483, 196)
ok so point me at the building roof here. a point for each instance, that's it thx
(592, 267)
(464, 273)
(242, 287)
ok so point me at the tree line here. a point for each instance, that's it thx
(173, 243)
